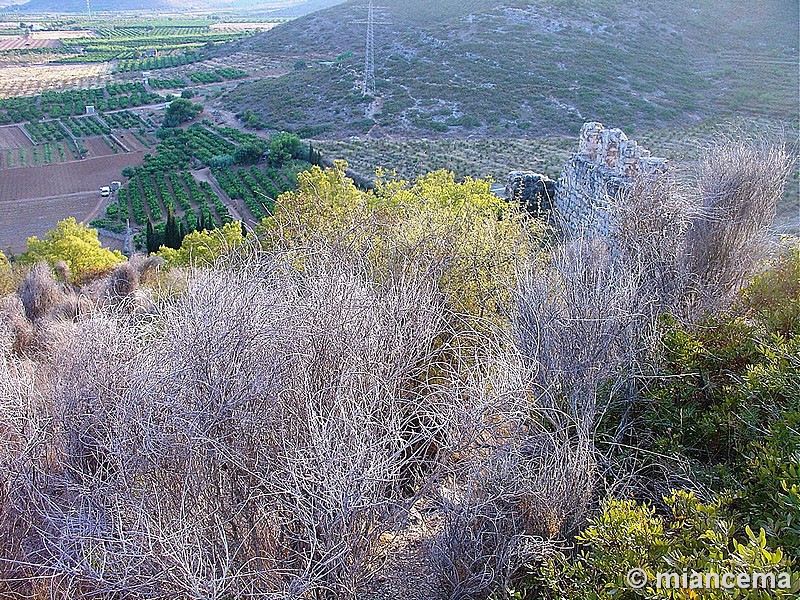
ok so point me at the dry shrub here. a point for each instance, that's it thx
(515, 481)
(248, 440)
(585, 321)
(738, 187)
(39, 292)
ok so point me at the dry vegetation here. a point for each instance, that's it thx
(34, 79)
(262, 427)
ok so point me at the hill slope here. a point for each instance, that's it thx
(499, 66)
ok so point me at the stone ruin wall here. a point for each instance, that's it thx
(603, 168)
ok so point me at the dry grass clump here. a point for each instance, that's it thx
(39, 292)
(514, 480)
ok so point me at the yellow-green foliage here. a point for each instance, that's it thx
(774, 296)
(204, 247)
(471, 238)
(77, 245)
(7, 283)
(696, 537)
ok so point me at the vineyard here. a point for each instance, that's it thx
(496, 157)
(166, 83)
(144, 46)
(44, 154)
(158, 62)
(216, 75)
(476, 158)
(45, 131)
(151, 196)
(29, 79)
(258, 187)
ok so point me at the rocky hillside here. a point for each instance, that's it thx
(497, 67)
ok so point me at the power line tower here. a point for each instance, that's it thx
(368, 88)
(368, 85)
(89, 9)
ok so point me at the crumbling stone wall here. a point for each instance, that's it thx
(535, 192)
(603, 168)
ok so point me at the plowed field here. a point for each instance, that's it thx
(34, 199)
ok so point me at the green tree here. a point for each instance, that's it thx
(77, 245)
(475, 240)
(180, 111)
(204, 247)
(172, 232)
(283, 147)
(250, 153)
(153, 239)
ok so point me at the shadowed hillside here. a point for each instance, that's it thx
(501, 67)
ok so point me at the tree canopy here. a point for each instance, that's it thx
(473, 238)
(283, 147)
(77, 245)
(204, 247)
(180, 111)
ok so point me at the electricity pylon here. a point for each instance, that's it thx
(368, 85)
(369, 60)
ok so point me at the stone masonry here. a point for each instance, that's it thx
(603, 168)
(534, 191)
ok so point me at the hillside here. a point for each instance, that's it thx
(506, 66)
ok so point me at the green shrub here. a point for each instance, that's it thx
(694, 538)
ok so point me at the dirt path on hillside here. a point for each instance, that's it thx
(236, 208)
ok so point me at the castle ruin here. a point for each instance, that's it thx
(603, 168)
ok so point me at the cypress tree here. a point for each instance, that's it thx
(151, 238)
(172, 234)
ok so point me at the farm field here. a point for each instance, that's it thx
(34, 199)
(245, 26)
(16, 149)
(34, 79)
(62, 34)
(26, 217)
(65, 178)
(12, 136)
(24, 43)
(171, 181)
(495, 158)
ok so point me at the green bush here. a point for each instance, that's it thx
(694, 538)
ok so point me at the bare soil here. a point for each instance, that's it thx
(34, 199)
(11, 136)
(97, 146)
(22, 43)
